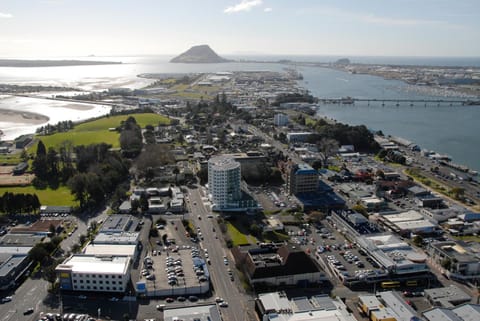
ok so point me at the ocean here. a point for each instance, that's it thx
(444, 129)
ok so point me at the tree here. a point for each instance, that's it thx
(144, 203)
(316, 216)
(255, 229)
(39, 164)
(38, 253)
(328, 146)
(52, 229)
(457, 192)
(49, 274)
(360, 209)
(153, 232)
(418, 240)
(446, 263)
(24, 156)
(176, 171)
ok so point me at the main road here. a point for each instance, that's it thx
(240, 304)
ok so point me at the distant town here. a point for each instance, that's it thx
(222, 196)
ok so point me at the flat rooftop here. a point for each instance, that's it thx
(117, 238)
(119, 223)
(199, 313)
(97, 264)
(20, 239)
(447, 296)
(110, 249)
(411, 215)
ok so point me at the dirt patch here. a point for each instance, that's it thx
(16, 180)
(4, 170)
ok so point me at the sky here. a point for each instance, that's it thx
(54, 28)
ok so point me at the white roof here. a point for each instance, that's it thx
(415, 225)
(405, 216)
(111, 249)
(97, 264)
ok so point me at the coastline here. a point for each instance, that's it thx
(22, 117)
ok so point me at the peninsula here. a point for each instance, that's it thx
(52, 63)
(198, 55)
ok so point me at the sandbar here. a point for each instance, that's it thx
(25, 117)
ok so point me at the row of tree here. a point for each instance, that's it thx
(61, 126)
(11, 203)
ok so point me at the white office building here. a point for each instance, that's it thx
(224, 178)
(280, 120)
(95, 273)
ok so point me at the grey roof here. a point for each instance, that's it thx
(12, 239)
(447, 296)
(395, 302)
(468, 312)
(441, 314)
(119, 223)
(11, 257)
(199, 312)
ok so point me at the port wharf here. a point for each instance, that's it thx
(400, 102)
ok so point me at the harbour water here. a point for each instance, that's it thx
(447, 130)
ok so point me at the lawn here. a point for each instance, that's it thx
(97, 131)
(10, 159)
(61, 196)
(238, 238)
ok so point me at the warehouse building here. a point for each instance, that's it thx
(276, 306)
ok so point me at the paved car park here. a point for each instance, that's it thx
(342, 257)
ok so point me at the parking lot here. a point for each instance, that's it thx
(341, 256)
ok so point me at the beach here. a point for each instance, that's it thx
(22, 117)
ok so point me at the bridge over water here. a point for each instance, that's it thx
(402, 102)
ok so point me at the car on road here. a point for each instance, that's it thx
(160, 306)
(82, 297)
(114, 299)
(218, 299)
(7, 299)
(223, 304)
(28, 311)
(181, 299)
(169, 300)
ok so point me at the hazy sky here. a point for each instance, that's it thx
(306, 27)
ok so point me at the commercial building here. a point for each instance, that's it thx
(396, 256)
(40, 227)
(301, 178)
(198, 313)
(13, 263)
(298, 137)
(459, 259)
(249, 160)
(465, 312)
(280, 120)
(119, 223)
(447, 297)
(388, 305)
(276, 306)
(278, 266)
(95, 273)
(408, 222)
(224, 179)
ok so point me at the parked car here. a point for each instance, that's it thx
(28, 311)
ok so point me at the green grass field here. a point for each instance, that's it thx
(238, 238)
(60, 197)
(97, 131)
